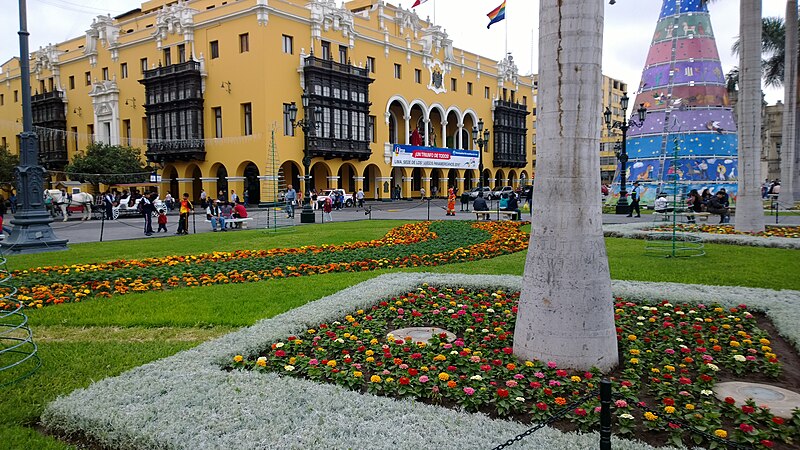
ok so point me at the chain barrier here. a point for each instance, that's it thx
(686, 426)
(552, 419)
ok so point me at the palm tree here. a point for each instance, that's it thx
(773, 49)
(789, 138)
(566, 309)
(749, 208)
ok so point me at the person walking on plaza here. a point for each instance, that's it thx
(203, 199)
(360, 199)
(635, 196)
(234, 197)
(169, 201)
(162, 221)
(422, 193)
(184, 210)
(291, 201)
(451, 202)
(146, 207)
(108, 204)
(327, 207)
(213, 214)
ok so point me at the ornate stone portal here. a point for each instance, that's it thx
(421, 334)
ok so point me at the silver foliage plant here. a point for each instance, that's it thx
(641, 231)
(187, 401)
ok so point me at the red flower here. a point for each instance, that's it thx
(767, 443)
(746, 428)
(706, 378)
(416, 355)
(730, 400)
(412, 371)
(669, 402)
(542, 406)
(674, 426)
(777, 420)
(684, 380)
(748, 409)
(580, 412)
(502, 393)
(508, 350)
(280, 353)
(404, 381)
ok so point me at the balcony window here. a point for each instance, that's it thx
(214, 47)
(288, 44)
(244, 43)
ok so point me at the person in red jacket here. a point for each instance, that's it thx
(239, 212)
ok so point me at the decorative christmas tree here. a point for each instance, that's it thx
(683, 89)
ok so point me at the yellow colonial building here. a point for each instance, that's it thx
(208, 90)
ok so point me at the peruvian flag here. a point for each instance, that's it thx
(418, 2)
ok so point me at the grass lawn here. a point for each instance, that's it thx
(84, 342)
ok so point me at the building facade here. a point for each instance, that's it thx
(206, 89)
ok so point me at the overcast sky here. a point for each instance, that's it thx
(628, 30)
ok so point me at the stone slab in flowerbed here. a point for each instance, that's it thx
(187, 401)
(646, 231)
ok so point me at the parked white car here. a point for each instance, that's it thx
(504, 190)
(487, 193)
(348, 198)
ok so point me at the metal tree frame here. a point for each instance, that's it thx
(622, 203)
(19, 356)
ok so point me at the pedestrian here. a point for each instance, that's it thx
(162, 221)
(214, 215)
(635, 197)
(695, 204)
(203, 198)
(327, 207)
(169, 201)
(434, 191)
(146, 208)
(314, 201)
(451, 202)
(246, 195)
(360, 198)
(13, 201)
(221, 196)
(291, 202)
(108, 205)
(184, 211)
(422, 193)
(234, 197)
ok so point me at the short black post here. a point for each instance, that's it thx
(102, 225)
(194, 224)
(777, 207)
(429, 210)
(605, 415)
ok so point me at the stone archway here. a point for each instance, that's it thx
(219, 171)
(171, 174)
(197, 184)
(372, 186)
(320, 172)
(347, 177)
(499, 179)
(252, 186)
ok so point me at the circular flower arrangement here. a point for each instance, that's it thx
(410, 245)
(771, 230)
(673, 356)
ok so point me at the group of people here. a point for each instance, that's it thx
(770, 188)
(219, 212)
(718, 203)
(508, 202)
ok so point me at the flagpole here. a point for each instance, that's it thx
(506, 21)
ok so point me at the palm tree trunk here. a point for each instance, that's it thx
(566, 310)
(749, 207)
(789, 133)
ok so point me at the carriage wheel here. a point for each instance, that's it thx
(115, 213)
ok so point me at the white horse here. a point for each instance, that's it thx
(82, 199)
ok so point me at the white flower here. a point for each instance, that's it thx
(706, 392)
(680, 313)
(713, 367)
(739, 358)
(489, 310)
(469, 330)
(484, 330)
(668, 305)
(476, 378)
(288, 368)
(699, 319)
(340, 341)
(450, 311)
(640, 318)
(454, 352)
(679, 340)
(626, 416)
(520, 399)
(666, 314)
(279, 345)
(639, 323)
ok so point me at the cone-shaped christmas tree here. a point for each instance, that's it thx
(689, 138)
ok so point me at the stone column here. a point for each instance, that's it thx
(406, 188)
(426, 184)
(235, 184)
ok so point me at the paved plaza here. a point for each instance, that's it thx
(77, 231)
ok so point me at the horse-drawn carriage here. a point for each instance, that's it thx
(128, 207)
(83, 202)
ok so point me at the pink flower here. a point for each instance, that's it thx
(539, 375)
(552, 364)
(554, 383)
(424, 379)
(750, 358)
(511, 383)
(597, 409)
(580, 412)
(313, 362)
(621, 404)
(519, 376)
(403, 366)
(469, 390)
(669, 351)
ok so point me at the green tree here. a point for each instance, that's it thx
(773, 50)
(108, 164)
(8, 162)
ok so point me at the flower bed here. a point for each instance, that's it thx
(771, 231)
(167, 404)
(647, 231)
(411, 245)
(674, 354)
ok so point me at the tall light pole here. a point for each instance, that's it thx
(309, 123)
(31, 232)
(481, 138)
(622, 203)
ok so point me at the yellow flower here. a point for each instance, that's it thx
(690, 407)
(765, 348)
(262, 361)
(651, 320)
(631, 337)
(439, 357)
(528, 363)
(669, 368)
(373, 341)
(735, 344)
(370, 359)
(357, 374)
(312, 331)
(669, 409)
(764, 341)
(635, 352)
(238, 358)
(721, 434)
(375, 379)
(634, 360)
(655, 370)
(444, 376)
(332, 363)
(369, 353)
(292, 360)
(575, 379)
(650, 416)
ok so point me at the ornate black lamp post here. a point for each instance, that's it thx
(31, 232)
(481, 138)
(622, 203)
(311, 121)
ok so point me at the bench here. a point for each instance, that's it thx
(487, 215)
(241, 222)
(666, 216)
